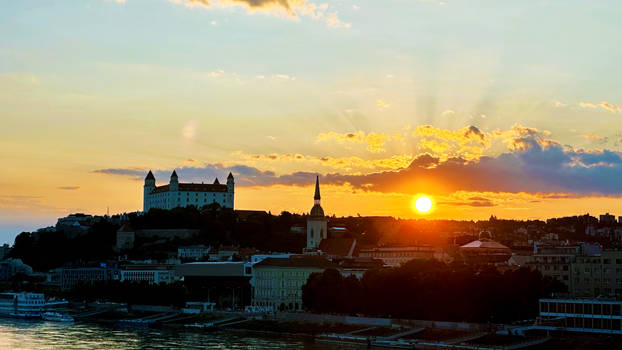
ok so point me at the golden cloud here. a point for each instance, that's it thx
(610, 107)
(340, 163)
(285, 8)
(468, 142)
(604, 105)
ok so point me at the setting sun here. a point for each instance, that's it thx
(423, 204)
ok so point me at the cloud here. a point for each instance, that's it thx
(559, 104)
(587, 105)
(69, 188)
(189, 130)
(482, 203)
(351, 163)
(468, 142)
(284, 77)
(535, 169)
(216, 74)
(374, 141)
(133, 172)
(382, 104)
(610, 107)
(530, 163)
(604, 105)
(293, 9)
(448, 112)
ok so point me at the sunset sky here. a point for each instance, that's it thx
(511, 108)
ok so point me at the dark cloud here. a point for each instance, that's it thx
(484, 203)
(69, 188)
(538, 166)
(135, 173)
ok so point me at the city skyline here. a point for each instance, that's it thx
(488, 109)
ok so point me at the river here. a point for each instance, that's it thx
(38, 335)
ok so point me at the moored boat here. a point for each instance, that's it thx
(56, 317)
(21, 305)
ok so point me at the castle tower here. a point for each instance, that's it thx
(174, 183)
(147, 189)
(316, 223)
(230, 190)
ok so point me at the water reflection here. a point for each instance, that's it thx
(37, 335)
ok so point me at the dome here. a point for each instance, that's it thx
(317, 211)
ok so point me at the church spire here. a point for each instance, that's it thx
(317, 196)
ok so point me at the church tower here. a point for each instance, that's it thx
(147, 189)
(316, 223)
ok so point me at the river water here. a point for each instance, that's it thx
(38, 335)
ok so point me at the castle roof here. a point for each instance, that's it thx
(230, 176)
(190, 187)
(150, 176)
(216, 182)
(174, 174)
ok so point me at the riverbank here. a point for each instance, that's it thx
(357, 332)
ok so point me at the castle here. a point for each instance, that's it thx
(177, 194)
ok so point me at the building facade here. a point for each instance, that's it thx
(582, 315)
(71, 277)
(193, 252)
(149, 273)
(278, 282)
(177, 194)
(599, 275)
(395, 256)
(125, 238)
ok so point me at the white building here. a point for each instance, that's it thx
(193, 252)
(177, 194)
(278, 282)
(152, 274)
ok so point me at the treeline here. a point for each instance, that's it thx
(222, 226)
(217, 226)
(431, 290)
(47, 250)
(132, 293)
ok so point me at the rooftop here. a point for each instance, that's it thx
(297, 261)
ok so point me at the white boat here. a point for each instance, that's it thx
(21, 305)
(56, 317)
